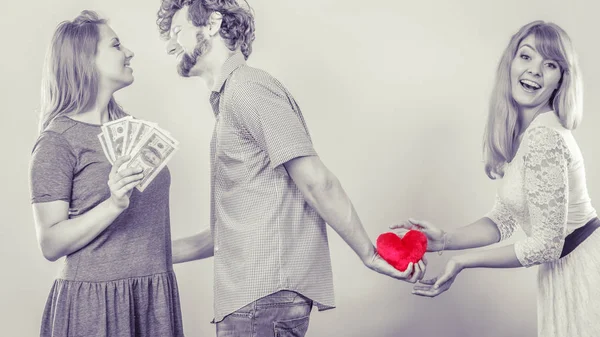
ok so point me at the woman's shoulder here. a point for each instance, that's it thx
(546, 126)
(547, 138)
(59, 127)
(549, 120)
(56, 133)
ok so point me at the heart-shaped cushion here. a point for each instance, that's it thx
(399, 252)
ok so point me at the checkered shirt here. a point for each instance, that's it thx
(267, 238)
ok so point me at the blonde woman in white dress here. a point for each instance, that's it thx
(529, 147)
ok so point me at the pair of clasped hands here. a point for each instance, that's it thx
(436, 242)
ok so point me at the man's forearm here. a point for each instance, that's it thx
(196, 247)
(324, 193)
(334, 206)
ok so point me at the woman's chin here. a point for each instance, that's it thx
(126, 82)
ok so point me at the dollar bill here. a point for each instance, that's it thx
(152, 154)
(116, 136)
(102, 139)
(132, 131)
(143, 129)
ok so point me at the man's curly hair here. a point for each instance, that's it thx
(237, 27)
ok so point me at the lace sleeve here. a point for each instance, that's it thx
(546, 190)
(503, 219)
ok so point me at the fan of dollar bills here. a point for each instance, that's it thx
(149, 146)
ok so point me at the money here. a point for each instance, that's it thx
(142, 129)
(134, 127)
(102, 138)
(149, 146)
(152, 154)
(116, 136)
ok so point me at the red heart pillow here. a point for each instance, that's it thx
(399, 252)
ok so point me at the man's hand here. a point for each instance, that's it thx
(413, 273)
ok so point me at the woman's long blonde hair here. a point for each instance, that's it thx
(70, 79)
(503, 129)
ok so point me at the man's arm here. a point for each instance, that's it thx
(324, 192)
(196, 247)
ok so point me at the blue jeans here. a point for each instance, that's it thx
(281, 314)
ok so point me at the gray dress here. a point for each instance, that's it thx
(121, 283)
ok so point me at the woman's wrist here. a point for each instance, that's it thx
(445, 242)
(113, 207)
(462, 261)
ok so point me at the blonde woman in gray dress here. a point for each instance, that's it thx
(117, 278)
(536, 102)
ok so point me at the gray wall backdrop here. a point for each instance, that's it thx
(395, 95)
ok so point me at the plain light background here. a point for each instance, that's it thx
(395, 96)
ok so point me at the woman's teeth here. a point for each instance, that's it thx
(530, 85)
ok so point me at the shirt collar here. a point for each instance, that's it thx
(232, 63)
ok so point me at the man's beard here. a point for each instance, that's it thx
(189, 61)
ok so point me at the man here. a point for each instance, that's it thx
(271, 195)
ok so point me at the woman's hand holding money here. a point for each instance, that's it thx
(121, 183)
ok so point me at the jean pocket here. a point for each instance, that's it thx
(296, 327)
(246, 311)
(240, 315)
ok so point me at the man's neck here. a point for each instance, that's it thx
(215, 66)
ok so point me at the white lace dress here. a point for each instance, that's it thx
(544, 191)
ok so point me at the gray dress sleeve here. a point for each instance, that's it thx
(51, 168)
